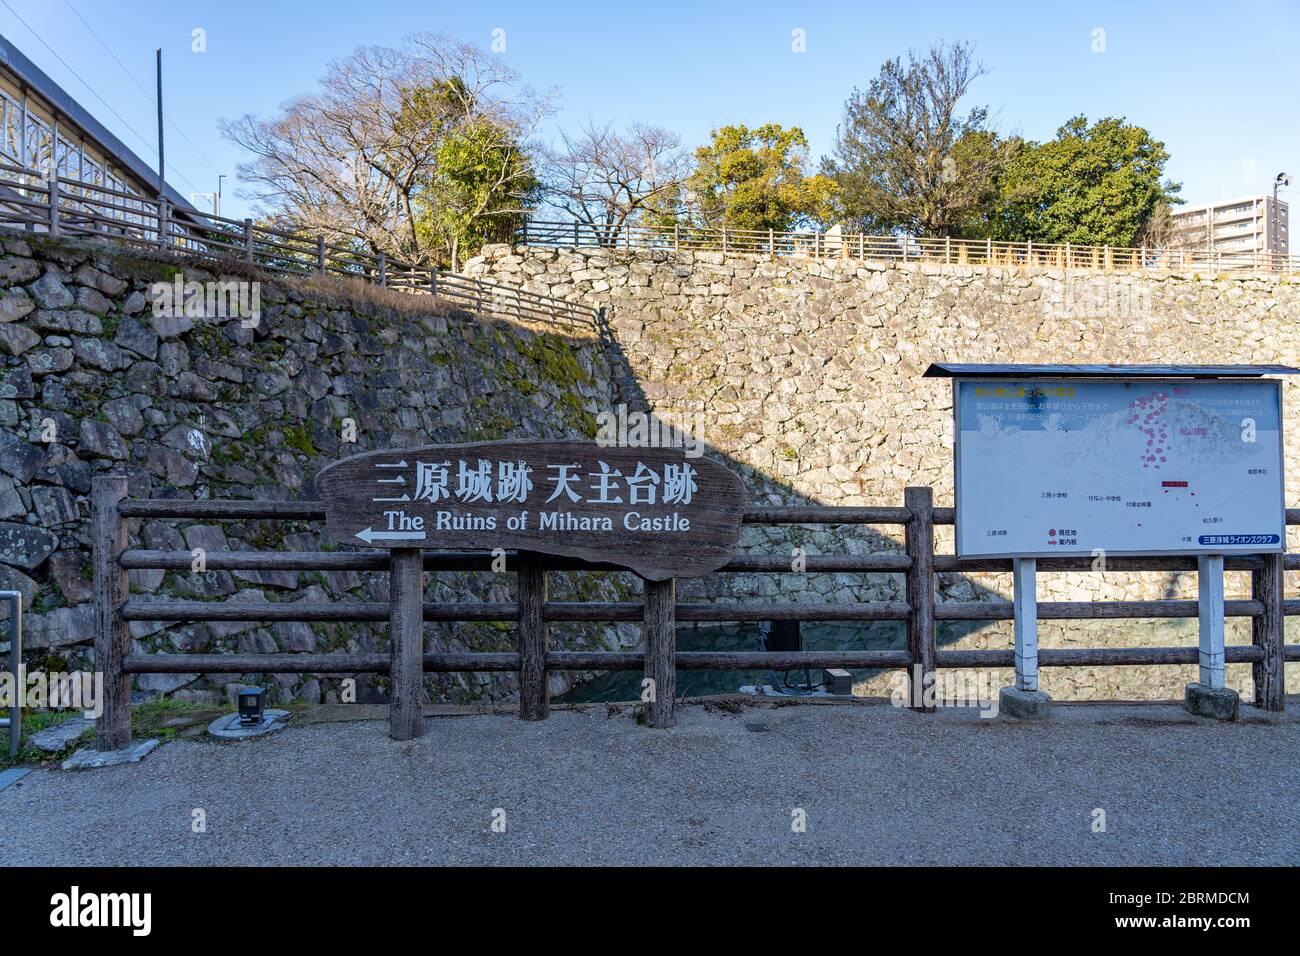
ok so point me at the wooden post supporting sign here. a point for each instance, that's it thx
(661, 652)
(406, 643)
(534, 700)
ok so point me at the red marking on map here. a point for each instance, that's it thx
(1152, 409)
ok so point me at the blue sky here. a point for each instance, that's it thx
(1214, 81)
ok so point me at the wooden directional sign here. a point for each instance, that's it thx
(653, 510)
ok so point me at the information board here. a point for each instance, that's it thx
(1069, 466)
(656, 511)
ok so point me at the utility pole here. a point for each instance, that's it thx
(162, 174)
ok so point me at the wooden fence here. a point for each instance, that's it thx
(69, 207)
(532, 611)
(894, 248)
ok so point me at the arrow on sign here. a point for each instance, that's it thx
(369, 535)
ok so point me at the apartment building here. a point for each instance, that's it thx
(1241, 230)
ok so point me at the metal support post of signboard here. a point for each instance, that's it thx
(1210, 696)
(1024, 700)
(1024, 572)
(1209, 586)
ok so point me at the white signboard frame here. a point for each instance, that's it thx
(1275, 525)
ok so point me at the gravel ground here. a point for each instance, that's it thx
(877, 785)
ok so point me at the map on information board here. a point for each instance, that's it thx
(1065, 467)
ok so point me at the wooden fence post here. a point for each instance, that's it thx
(919, 538)
(383, 270)
(661, 651)
(534, 697)
(248, 240)
(112, 639)
(433, 282)
(320, 254)
(53, 196)
(406, 642)
(1268, 632)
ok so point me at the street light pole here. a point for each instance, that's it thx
(1280, 180)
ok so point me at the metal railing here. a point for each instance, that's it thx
(659, 611)
(69, 207)
(895, 248)
(15, 634)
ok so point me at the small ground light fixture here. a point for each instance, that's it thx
(251, 701)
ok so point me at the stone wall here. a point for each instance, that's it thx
(92, 382)
(804, 376)
(807, 375)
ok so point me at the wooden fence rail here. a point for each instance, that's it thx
(897, 248)
(61, 206)
(659, 611)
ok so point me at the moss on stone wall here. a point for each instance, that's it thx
(213, 408)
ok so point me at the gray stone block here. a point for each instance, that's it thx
(10, 777)
(1215, 703)
(1024, 704)
(57, 738)
(88, 759)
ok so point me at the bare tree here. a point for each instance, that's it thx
(904, 157)
(350, 161)
(607, 179)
